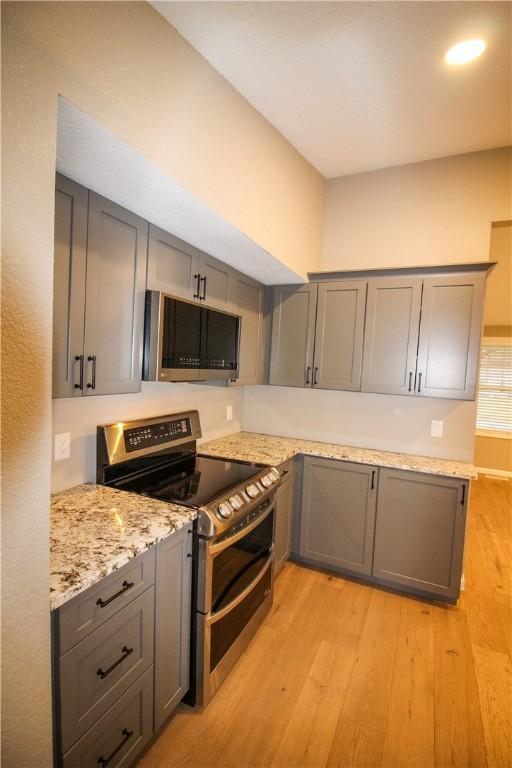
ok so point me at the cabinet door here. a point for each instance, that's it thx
(114, 318)
(214, 282)
(391, 335)
(339, 335)
(173, 265)
(172, 622)
(338, 514)
(293, 332)
(419, 533)
(247, 299)
(69, 286)
(282, 535)
(449, 346)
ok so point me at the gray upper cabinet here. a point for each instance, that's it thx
(391, 335)
(419, 532)
(173, 265)
(172, 622)
(451, 324)
(338, 514)
(69, 286)
(99, 282)
(215, 279)
(247, 300)
(115, 286)
(293, 333)
(339, 335)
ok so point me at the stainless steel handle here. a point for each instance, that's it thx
(410, 381)
(308, 372)
(214, 549)
(92, 384)
(419, 383)
(196, 293)
(203, 280)
(227, 608)
(81, 359)
(315, 376)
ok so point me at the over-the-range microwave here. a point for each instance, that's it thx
(186, 341)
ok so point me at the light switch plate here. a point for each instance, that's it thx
(229, 412)
(436, 428)
(62, 446)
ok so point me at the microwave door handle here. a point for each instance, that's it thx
(214, 549)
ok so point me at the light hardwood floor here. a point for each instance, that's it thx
(343, 674)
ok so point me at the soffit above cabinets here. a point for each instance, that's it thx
(356, 86)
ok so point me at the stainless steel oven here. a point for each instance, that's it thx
(234, 591)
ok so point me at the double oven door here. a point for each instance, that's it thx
(234, 591)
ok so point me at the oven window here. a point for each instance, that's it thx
(225, 631)
(235, 567)
(220, 340)
(181, 345)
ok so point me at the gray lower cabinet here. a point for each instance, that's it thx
(293, 335)
(338, 514)
(391, 335)
(419, 533)
(339, 335)
(172, 622)
(449, 343)
(99, 284)
(283, 517)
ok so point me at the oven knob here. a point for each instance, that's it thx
(275, 473)
(224, 510)
(236, 502)
(267, 481)
(252, 490)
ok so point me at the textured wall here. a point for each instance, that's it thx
(387, 422)
(435, 212)
(126, 67)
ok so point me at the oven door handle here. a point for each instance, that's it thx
(214, 549)
(218, 615)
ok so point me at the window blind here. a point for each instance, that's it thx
(494, 406)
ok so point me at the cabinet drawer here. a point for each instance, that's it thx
(101, 667)
(89, 610)
(118, 737)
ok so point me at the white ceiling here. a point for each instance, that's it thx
(356, 86)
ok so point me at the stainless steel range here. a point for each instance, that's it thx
(233, 534)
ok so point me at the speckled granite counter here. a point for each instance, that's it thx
(269, 449)
(96, 530)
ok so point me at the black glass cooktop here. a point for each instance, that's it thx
(193, 481)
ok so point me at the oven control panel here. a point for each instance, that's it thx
(137, 438)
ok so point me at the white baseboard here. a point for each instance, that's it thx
(495, 472)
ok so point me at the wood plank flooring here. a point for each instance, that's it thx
(344, 675)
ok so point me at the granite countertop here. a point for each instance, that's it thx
(96, 530)
(269, 449)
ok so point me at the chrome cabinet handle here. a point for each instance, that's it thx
(92, 384)
(104, 761)
(308, 372)
(196, 293)
(419, 383)
(81, 359)
(410, 381)
(125, 652)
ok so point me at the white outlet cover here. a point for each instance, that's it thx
(436, 428)
(62, 446)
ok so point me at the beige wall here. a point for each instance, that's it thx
(435, 212)
(498, 294)
(387, 422)
(126, 67)
(80, 416)
(493, 453)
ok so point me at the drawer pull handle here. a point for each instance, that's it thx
(126, 737)
(373, 480)
(126, 586)
(125, 653)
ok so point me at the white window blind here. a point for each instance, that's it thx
(494, 407)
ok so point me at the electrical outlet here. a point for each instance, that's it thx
(229, 412)
(62, 446)
(436, 428)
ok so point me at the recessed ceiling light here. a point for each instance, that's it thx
(465, 51)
